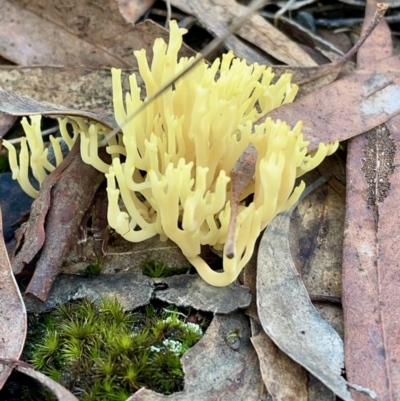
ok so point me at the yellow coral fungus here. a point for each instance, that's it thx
(171, 167)
(37, 157)
(181, 149)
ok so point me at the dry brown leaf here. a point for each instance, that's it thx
(132, 10)
(21, 105)
(287, 314)
(12, 313)
(317, 235)
(256, 30)
(74, 33)
(371, 280)
(222, 365)
(27, 39)
(348, 107)
(70, 199)
(80, 88)
(282, 376)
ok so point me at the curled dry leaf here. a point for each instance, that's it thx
(12, 313)
(287, 314)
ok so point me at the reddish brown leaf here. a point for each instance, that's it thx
(348, 107)
(12, 313)
(33, 231)
(371, 280)
(71, 198)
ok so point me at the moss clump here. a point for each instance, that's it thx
(99, 352)
(93, 269)
(156, 269)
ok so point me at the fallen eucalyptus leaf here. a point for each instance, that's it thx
(78, 88)
(287, 314)
(371, 277)
(21, 105)
(284, 378)
(12, 313)
(348, 107)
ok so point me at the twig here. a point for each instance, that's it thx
(379, 13)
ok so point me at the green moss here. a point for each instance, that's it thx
(94, 269)
(99, 352)
(157, 269)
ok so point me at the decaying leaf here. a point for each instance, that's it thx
(6, 122)
(287, 314)
(282, 376)
(348, 107)
(222, 365)
(78, 33)
(79, 88)
(12, 313)
(371, 280)
(133, 289)
(285, 379)
(35, 227)
(26, 38)
(191, 290)
(71, 198)
(20, 105)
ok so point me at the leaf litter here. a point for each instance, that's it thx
(12, 313)
(374, 83)
(371, 299)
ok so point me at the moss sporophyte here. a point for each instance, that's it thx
(101, 352)
(171, 166)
